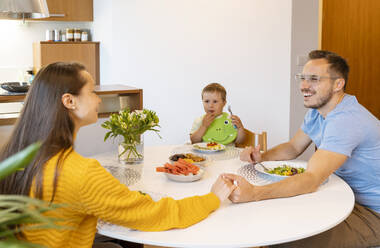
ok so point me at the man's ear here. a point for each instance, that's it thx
(339, 84)
(68, 101)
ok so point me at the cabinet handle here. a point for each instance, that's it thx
(57, 15)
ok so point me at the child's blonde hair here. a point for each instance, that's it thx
(215, 87)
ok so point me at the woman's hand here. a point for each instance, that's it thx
(250, 154)
(244, 191)
(237, 122)
(222, 188)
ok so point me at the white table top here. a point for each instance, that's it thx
(235, 225)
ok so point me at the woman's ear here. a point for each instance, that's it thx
(68, 101)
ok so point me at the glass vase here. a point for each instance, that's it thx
(131, 153)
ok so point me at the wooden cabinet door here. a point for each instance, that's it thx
(351, 29)
(86, 53)
(70, 10)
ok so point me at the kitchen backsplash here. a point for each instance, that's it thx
(11, 74)
(16, 43)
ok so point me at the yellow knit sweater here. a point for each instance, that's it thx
(90, 192)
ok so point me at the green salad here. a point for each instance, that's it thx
(286, 170)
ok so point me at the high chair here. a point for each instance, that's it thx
(250, 140)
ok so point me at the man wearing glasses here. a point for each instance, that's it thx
(348, 140)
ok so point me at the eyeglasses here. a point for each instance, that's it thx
(311, 79)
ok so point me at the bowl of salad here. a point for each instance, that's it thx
(281, 169)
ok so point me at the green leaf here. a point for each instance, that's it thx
(18, 160)
(19, 209)
(25, 212)
(107, 135)
(131, 124)
(18, 244)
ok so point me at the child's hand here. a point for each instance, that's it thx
(236, 121)
(208, 119)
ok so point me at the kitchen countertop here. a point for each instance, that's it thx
(111, 89)
(6, 96)
(116, 90)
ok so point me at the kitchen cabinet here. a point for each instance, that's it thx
(114, 98)
(70, 10)
(87, 53)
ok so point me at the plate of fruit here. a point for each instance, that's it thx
(189, 157)
(181, 171)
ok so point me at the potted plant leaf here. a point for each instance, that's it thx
(18, 212)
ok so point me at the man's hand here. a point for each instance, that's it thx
(208, 119)
(222, 188)
(251, 155)
(244, 191)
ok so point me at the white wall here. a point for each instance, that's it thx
(16, 43)
(304, 39)
(172, 49)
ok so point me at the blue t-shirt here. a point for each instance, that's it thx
(352, 130)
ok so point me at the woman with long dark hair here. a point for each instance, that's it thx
(60, 101)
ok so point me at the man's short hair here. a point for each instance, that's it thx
(215, 87)
(338, 65)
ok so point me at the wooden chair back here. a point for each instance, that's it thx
(253, 139)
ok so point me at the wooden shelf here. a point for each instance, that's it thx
(8, 119)
(116, 89)
(112, 95)
(86, 53)
(105, 115)
(69, 42)
(12, 98)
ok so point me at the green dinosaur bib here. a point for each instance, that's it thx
(221, 130)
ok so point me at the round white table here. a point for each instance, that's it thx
(234, 225)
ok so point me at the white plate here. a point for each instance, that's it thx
(274, 164)
(203, 163)
(183, 178)
(202, 147)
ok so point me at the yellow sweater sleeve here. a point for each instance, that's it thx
(105, 197)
